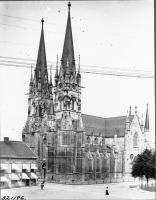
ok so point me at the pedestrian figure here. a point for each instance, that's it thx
(107, 193)
(42, 185)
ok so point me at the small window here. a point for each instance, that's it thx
(131, 156)
(72, 104)
(135, 140)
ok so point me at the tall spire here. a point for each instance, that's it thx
(135, 109)
(31, 79)
(79, 65)
(147, 120)
(130, 111)
(41, 58)
(31, 82)
(51, 75)
(68, 49)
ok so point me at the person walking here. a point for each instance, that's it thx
(42, 185)
(107, 193)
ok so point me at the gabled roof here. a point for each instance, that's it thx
(116, 124)
(105, 126)
(16, 149)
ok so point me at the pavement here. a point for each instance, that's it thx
(125, 190)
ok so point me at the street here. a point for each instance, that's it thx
(97, 191)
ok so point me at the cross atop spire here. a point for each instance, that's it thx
(42, 21)
(136, 109)
(69, 5)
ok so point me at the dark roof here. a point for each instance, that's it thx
(116, 124)
(105, 126)
(93, 124)
(16, 149)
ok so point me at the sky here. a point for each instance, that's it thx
(113, 34)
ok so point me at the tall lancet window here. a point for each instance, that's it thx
(60, 103)
(73, 102)
(135, 140)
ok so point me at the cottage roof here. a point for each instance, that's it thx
(16, 149)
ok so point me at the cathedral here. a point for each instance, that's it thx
(72, 146)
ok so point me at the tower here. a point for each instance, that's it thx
(40, 124)
(54, 129)
(69, 125)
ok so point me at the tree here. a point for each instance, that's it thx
(144, 165)
(152, 166)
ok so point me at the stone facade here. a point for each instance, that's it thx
(70, 145)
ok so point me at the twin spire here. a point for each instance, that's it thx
(67, 54)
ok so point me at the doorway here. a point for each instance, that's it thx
(44, 170)
(27, 182)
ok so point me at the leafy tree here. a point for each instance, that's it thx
(144, 165)
(152, 166)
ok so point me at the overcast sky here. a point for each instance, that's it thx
(114, 34)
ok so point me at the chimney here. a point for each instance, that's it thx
(6, 140)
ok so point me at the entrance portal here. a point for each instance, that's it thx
(44, 170)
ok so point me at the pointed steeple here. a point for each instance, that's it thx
(51, 84)
(78, 74)
(41, 58)
(31, 78)
(130, 111)
(31, 82)
(147, 120)
(142, 124)
(135, 109)
(51, 75)
(68, 49)
(56, 74)
(127, 123)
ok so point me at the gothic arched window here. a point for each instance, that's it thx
(72, 104)
(135, 140)
(60, 101)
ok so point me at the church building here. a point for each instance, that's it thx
(70, 145)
